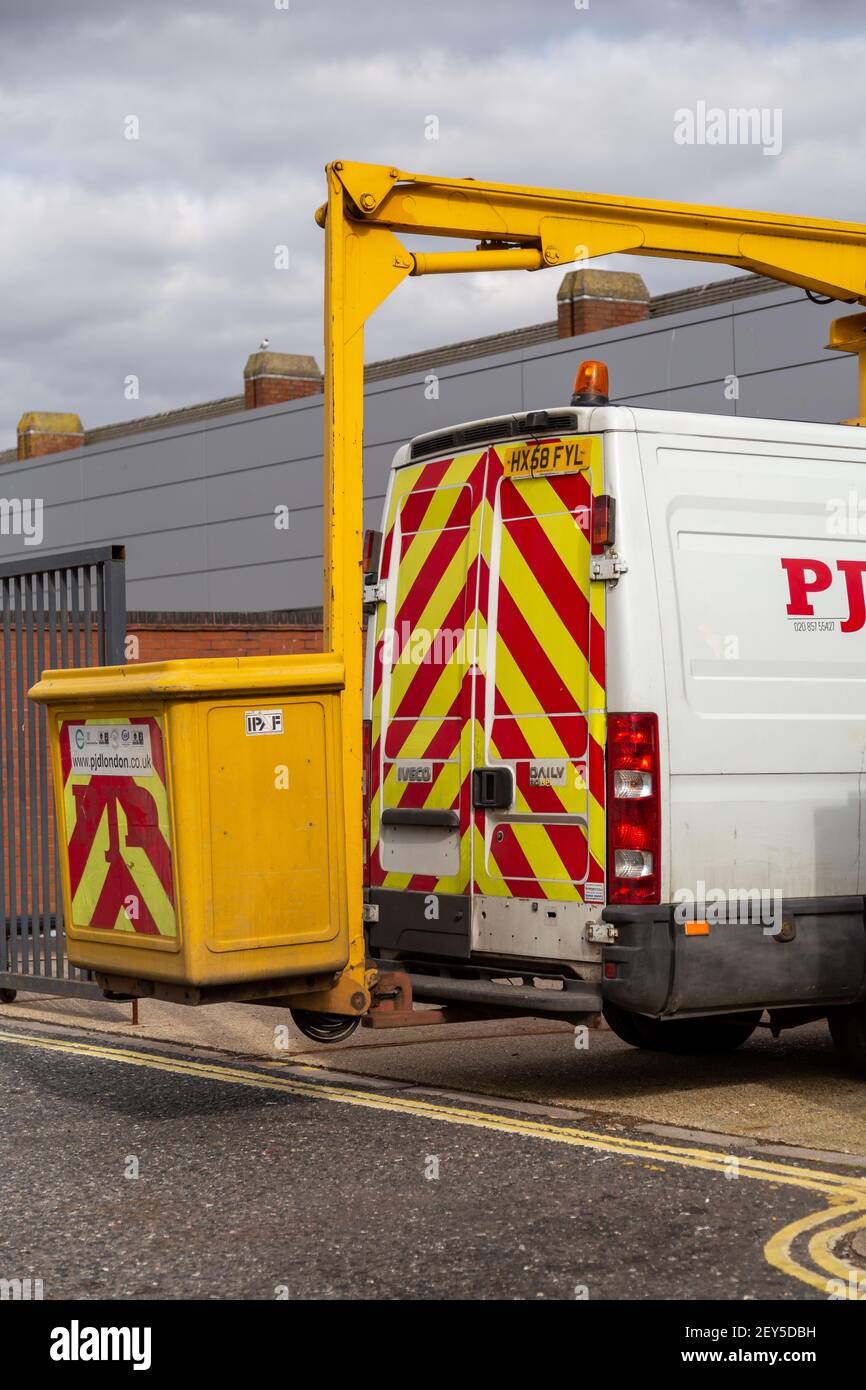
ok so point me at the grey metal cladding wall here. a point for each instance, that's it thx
(195, 504)
(772, 343)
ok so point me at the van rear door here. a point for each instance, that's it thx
(543, 711)
(489, 658)
(420, 813)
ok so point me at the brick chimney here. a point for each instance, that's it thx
(271, 377)
(48, 432)
(590, 300)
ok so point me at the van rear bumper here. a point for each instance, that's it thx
(421, 924)
(818, 958)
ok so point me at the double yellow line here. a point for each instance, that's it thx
(814, 1234)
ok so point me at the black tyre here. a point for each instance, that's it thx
(8, 996)
(848, 1031)
(626, 1025)
(326, 1028)
(723, 1033)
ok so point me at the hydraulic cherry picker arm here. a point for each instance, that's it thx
(558, 227)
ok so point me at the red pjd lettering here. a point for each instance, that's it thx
(853, 571)
(807, 577)
(799, 587)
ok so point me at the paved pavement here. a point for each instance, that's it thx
(140, 1170)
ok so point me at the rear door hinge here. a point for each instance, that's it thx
(608, 567)
(601, 933)
(373, 595)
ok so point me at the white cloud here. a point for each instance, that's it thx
(155, 256)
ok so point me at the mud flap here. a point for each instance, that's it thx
(816, 957)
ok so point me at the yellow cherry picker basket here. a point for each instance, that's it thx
(200, 820)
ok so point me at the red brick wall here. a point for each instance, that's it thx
(592, 315)
(171, 641)
(271, 390)
(32, 444)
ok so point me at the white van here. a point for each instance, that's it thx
(616, 705)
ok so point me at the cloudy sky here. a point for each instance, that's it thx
(155, 256)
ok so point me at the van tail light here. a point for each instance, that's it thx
(372, 552)
(633, 808)
(367, 754)
(603, 522)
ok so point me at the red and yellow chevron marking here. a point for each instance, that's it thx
(118, 834)
(421, 685)
(547, 698)
(546, 657)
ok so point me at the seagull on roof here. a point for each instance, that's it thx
(264, 344)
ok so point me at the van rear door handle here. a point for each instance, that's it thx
(492, 788)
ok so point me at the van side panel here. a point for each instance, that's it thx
(759, 578)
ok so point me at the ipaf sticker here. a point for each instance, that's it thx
(263, 721)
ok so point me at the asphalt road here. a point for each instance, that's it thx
(794, 1091)
(261, 1181)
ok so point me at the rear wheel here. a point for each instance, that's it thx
(327, 1028)
(723, 1033)
(8, 996)
(848, 1031)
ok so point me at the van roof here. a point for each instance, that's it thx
(595, 419)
